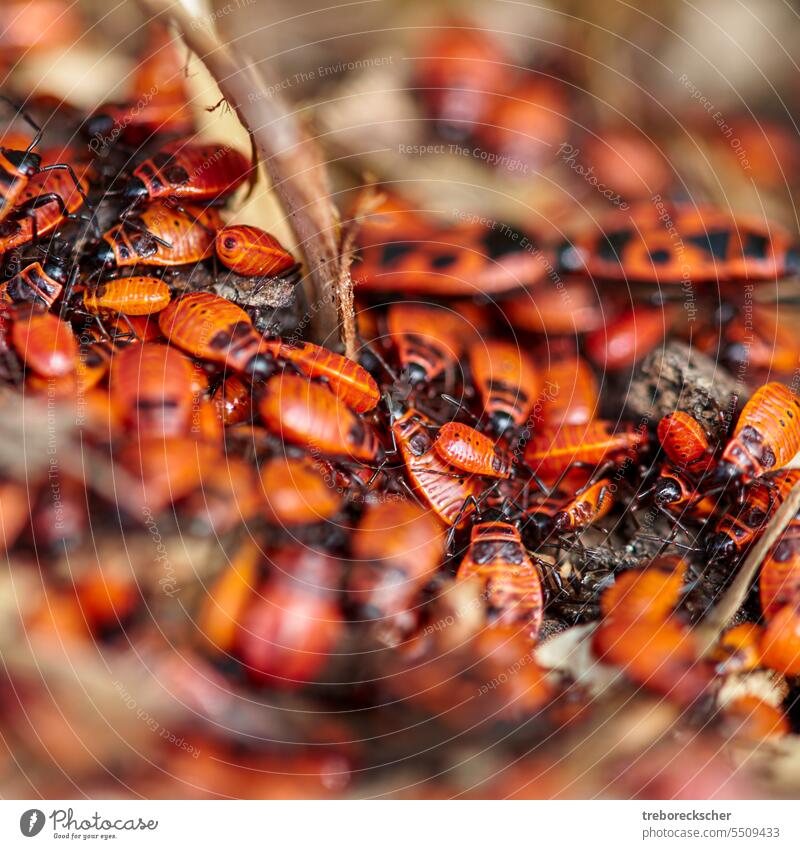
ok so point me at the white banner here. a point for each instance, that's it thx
(386, 825)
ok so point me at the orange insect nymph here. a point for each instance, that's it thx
(128, 295)
(468, 449)
(445, 488)
(252, 252)
(767, 434)
(586, 508)
(215, 329)
(684, 441)
(195, 171)
(507, 381)
(497, 556)
(309, 414)
(552, 449)
(346, 378)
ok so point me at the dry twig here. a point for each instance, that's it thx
(291, 158)
(734, 597)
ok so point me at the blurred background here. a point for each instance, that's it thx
(579, 109)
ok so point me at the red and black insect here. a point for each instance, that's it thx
(252, 252)
(471, 451)
(554, 450)
(50, 198)
(555, 512)
(426, 340)
(395, 550)
(42, 282)
(463, 261)
(676, 492)
(347, 379)
(744, 522)
(215, 329)
(161, 234)
(293, 623)
(447, 490)
(766, 436)
(192, 171)
(685, 442)
(587, 507)
(497, 556)
(19, 167)
(682, 242)
(151, 386)
(309, 414)
(507, 382)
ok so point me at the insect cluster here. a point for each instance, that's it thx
(404, 531)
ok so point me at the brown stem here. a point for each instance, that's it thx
(290, 157)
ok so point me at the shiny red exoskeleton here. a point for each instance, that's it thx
(425, 338)
(586, 508)
(507, 381)
(443, 487)
(766, 436)
(215, 329)
(468, 449)
(192, 171)
(347, 379)
(309, 414)
(151, 385)
(685, 442)
(161, 234)
(252, 252)
(497, 556)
